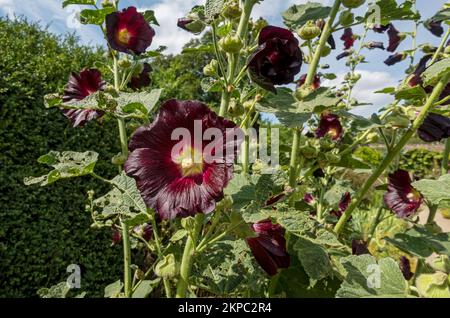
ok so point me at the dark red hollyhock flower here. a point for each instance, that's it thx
(329, 125)
(416, 78)
(394, 59)
(141, 80)
(277, 60)
(394, 38)
(381, 28)
(183, 22)
(128, 32)
(401, 197)
(405, 267)
(80, 86)
(116, 235)
(269, 247)
(308, 198)
(359, 247)
(318, 173)
(343, 205)
(434, 128)
(375, 45)
(348, 38)
(146, 231)
(435, 27)
(343, 54)
(182, 178)
(302, 80)
(331, 42)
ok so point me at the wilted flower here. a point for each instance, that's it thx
(395, 38)
(343, 54)
(309, 198)
(394, 59)
(331, 42)
(329, 125)
(349, 38)
(435, 27)
(315, 84)
(380, 28)
(269, 247)
(375, 45)
(416, 77)
(182, 178)
(405, 267)
(81, 85)
(128, 31)
(145, 231)
(142, 79)
(277, 60)
(401, 197)
(359, 247)
(434, 128)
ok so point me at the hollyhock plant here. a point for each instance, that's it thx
(128, 31)
(401, 197)
(142, 79)
(183, 183)
(277, 60)
(395, 38)
(375, 45)
(349, 38)
(395, 58)
(80, 86)
(269, 247)
(329, 125)
(343, 205)
(434, 128)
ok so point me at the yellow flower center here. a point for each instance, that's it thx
(414, 195)
(190, 162)
(124, 36)
(333, 133)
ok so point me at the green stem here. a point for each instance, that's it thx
(444, 167)
(327, 30)
(294, 158)
(375, 223)
(433, 210)
(441, 47)
(126, 260)
(186, 261)
(394, 153)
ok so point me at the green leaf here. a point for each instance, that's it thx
(435, 72)
(67, 164)
(434, 190)
(79, 2)
(143, 102)
(415, 95)
(319, 100)
(297, 15)
(213, 8)
(149, 16)
(57, 291)
(367, 278)
(391, 11)
(314, 259)
(421, 242)
(442, 15)
(178, 235)
(113, 290)
(131, 195)
(210, 84)
(137, 219)
(95, 16)
(145, 288)
(204, 48)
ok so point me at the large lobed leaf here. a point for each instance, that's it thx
(298, 15)
(435, 191)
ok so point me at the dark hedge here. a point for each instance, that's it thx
(43, 230)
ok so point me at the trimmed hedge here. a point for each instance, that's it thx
(43, 230)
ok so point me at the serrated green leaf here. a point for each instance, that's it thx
(297, 15)
(143, 102)
(145, 288)
(67, 164)
(435, 72)
(178, 235)
(210, 84)
(131, 195)
(57, 291)
(367, 278)
(204, 48)
(415, 95)
(391, 11)
(137, 219)
(213, 8)
(149, 16)
(113, 290)
(319, 100)
(434, 190)
(79, 2)
(95, 16)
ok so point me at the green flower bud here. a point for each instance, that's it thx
(326, 143)
(107, 3)
(326, 50)
(124, 63)
(231, 44)
(309, 31)
(309, 152)
(447, 50)
(232, 10)
(248, 105)
(333, 157)
(259, 24)
(346, 18)
(118, 160)
(211, 69)
(353, 4)
(427, 48)
(235, 109)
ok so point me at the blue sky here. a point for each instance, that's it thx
(375, 75)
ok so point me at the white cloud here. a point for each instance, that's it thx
(364, 91)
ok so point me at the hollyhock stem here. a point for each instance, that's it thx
(441, 47)
(444, 169)
(126, 260)
(393, 154)
(234, 58)
(294, 158)
(433, 210)
(186, 261)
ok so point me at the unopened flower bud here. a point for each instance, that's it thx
(232, 10)
(231, 44)
(326, 50)
(107, 3)
(309, 31)
(346, 18)
(353, 4)
(211, 68)
(235, 109)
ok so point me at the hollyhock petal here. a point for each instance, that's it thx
(435, 27)
(308, 198)
(181, 186)
(401, 197)
(416, 78)
(375, 45)
(343, 54)
(141, 80)
(128, 32)
(277, 60)
(269, 247)
(345, 202)
(79, 86)
(394, 59)
(434, 128)
(329, 125)
(331, 42)
(405, 267)
(348, 38)
(381, 28)
(359, 247)
(394, 38)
